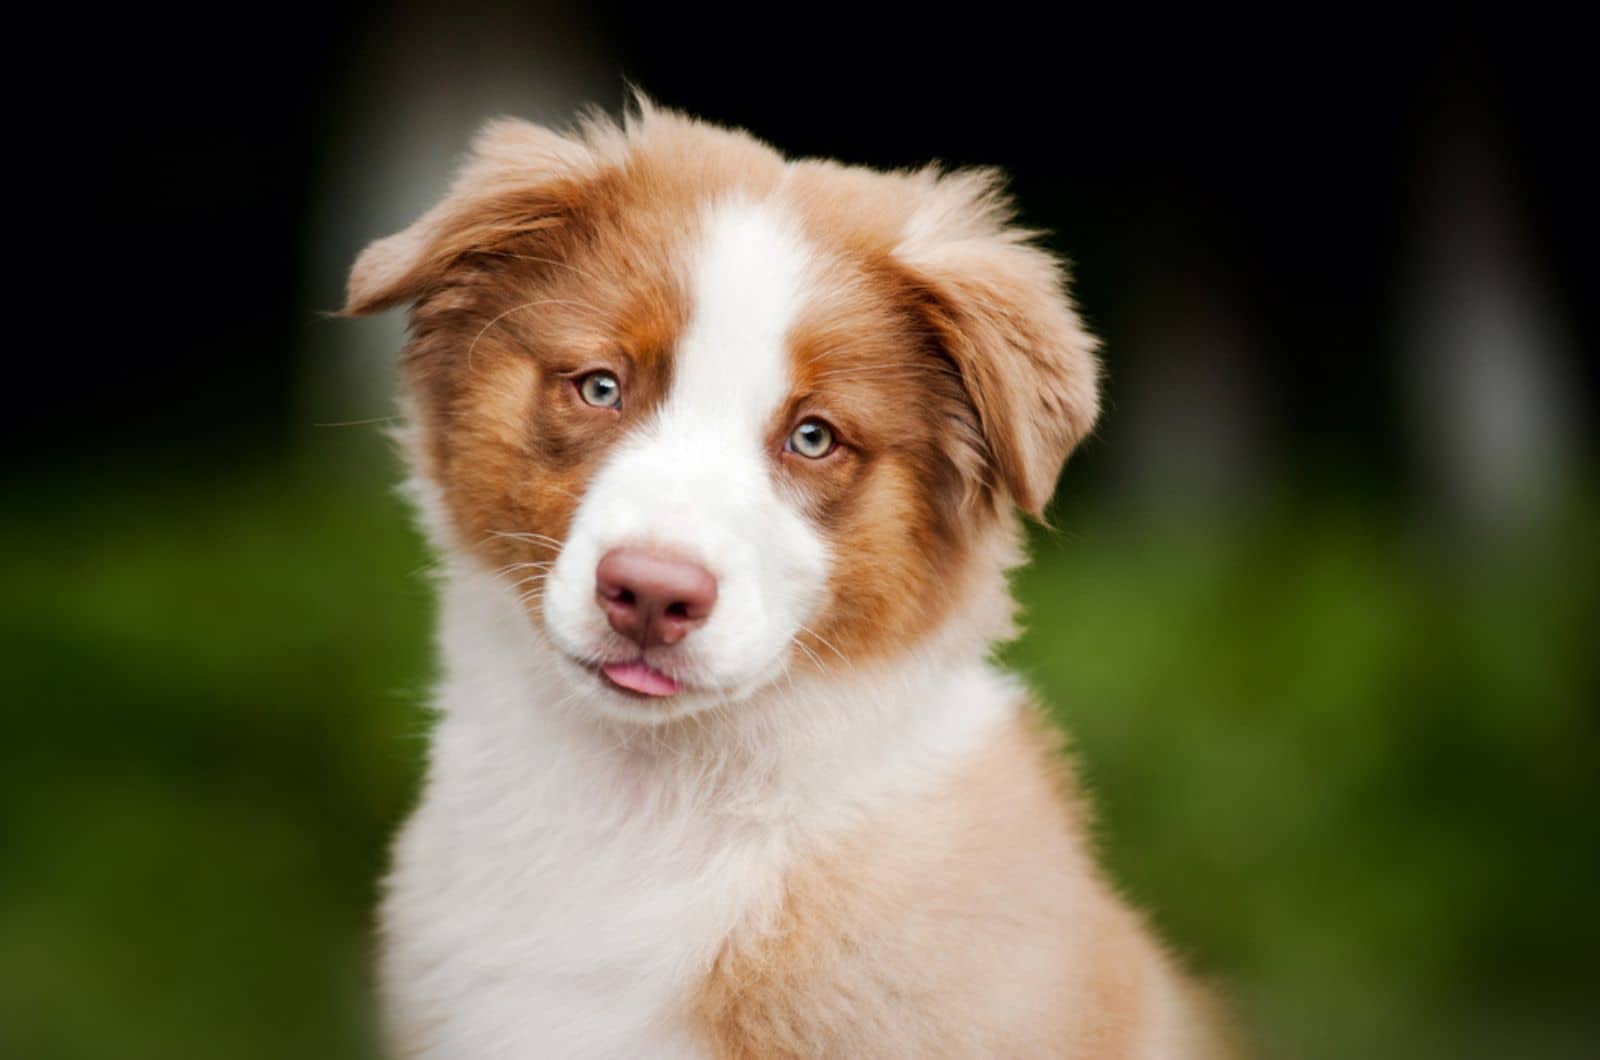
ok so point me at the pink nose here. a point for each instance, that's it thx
(653, 599)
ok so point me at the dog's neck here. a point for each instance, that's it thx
(591, 849)
(818, 744)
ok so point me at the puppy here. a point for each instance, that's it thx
(724, 456)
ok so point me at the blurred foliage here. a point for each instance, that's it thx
(1347, 766)
(218, 726)
(1351, 772)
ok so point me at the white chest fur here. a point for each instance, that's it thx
(566, 882)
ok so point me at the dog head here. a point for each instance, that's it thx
(716, 414)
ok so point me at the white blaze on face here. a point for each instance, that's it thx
(732, 365)
(697, 480)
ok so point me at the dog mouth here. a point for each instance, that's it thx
(639, 678)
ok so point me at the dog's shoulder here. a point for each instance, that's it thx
(939, 926)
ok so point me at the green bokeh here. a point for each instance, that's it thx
(1348, 770)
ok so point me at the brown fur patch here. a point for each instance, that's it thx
(897, 499)
(943, 349)
(965, 922)
(989, 300)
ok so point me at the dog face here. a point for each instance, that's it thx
(718, 416)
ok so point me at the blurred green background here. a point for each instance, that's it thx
(1318, 607)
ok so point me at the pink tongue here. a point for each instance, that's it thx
(639, 676)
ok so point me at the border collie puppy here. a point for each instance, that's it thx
(725, 455)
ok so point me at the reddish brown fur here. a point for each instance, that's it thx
(897, 498)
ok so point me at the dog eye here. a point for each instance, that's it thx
(813, 439)
(600, 389)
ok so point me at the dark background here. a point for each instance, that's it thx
(1319, 608)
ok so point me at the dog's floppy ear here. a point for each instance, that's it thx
(519, 177)
(998, 306)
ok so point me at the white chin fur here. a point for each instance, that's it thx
(587, 690)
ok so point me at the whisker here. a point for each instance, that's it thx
(825, 642)
(542, 261)
(529, 537)
(511, 568)
(359, 423)
(516, 309)
(564, 492)
(433, 566)
(809, 653)
(822, 354)
(887, 371)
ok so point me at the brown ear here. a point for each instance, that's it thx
(518, 177)
(999, 306)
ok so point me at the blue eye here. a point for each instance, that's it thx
(813, 440)
(600, 389)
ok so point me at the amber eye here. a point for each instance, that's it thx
(600, 389)
(813, 439)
